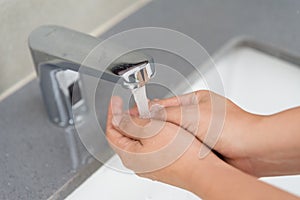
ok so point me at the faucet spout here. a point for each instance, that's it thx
(57, 49)
(134, 75)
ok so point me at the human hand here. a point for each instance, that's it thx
(245, 140)
(163, 151)
(158, 150)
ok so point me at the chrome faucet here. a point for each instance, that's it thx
(57, 54)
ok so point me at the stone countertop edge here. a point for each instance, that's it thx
(78, 178)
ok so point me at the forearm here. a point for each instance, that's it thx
(218, 180)
(278, 143)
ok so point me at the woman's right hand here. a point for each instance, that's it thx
(147, 145)
(258, 145)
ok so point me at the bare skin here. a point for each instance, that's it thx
(210, 177)
(258, 145)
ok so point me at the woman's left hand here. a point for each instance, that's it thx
(156, 149)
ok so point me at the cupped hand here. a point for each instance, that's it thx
(222, 125)
(165, 148)
(156, 149)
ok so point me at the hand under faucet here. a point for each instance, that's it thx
(248, 143)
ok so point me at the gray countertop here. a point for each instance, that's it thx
(34, 155)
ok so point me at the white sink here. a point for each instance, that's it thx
(255, 81)
(111, 184)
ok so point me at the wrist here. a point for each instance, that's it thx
(198, 176)
(222, 181)
(279, 133)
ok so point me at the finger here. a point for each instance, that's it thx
(137, 128)
(134, 110)
(120, 142)
(116, 139)
(188, 117)
(172, 101)
(183, 100)
(115, 107)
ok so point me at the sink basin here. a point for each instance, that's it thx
(256, 81)
(110, 184)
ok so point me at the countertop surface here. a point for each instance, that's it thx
(34, 157)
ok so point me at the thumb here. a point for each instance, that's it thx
(114, 109)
